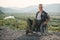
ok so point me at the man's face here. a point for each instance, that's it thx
(40, 7)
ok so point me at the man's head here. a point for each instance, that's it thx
(40, 7)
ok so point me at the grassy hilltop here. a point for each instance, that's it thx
(20, 22)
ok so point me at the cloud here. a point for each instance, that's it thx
(48, 1)
(25, 3)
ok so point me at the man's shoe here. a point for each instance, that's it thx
(39, 33)
(34, 32)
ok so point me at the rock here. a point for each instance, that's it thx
(8, 34)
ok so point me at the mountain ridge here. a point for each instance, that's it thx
(52, 8)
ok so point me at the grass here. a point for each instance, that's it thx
(20, 22)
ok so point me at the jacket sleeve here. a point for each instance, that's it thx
(37, 14)
(44, 16)
(47, 16)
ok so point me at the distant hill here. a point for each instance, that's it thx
(51, 9)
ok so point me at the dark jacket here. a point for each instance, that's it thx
(44, 16)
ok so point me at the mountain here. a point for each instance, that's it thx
(52, 9)
(9, 10)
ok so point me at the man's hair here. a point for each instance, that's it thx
(40, 4)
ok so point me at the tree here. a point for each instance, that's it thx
(1, 15)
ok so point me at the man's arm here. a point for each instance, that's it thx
(47, 18)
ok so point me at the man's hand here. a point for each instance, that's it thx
(45, 22)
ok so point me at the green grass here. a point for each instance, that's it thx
(20, 22)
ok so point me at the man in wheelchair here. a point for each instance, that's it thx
(40, 22)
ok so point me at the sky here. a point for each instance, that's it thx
(25, 3)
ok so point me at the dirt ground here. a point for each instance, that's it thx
(8, 34)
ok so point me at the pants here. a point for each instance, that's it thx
(43, 28)
(36, 25)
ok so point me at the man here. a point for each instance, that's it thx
(41, 18)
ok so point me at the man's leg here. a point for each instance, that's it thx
(38, 25)
(42, 29)
(38, 28)
(45, 29)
